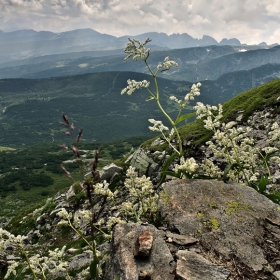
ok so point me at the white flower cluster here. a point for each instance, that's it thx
(237, 147)
(142, 201)
(82, 217)
(174, 98)
(210, 169)
(158, 126)
(112, 221)
(6, 238)
(166, 64)
(213, 115)
(52, 264)
(64, 214)
(136, 49)
(133, 85)
(188, 165)
(195, 91)
(103, 189)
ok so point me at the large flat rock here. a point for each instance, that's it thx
(227, 218)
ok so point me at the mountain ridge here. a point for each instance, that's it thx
(22, 44)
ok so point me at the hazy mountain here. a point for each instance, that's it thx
(62, 65)
(232, 42)
(31, 108)
(23, 44)
(195, 64)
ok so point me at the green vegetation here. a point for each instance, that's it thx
(244, 103)
(30, 109)
(29, 175)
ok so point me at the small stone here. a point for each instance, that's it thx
(196, 250)
(277, 274)
(145, 243)
(72, 250)
(144, 275)
(191, 266)
(12, 258)
(181, 239)
(48, 227)
(169, 239)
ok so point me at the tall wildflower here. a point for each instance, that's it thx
(137, 50)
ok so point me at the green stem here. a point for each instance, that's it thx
(156, 97)
(239, 162)
(266, 165)
(27, 259)
(100, 230)
(82, 236)
(169, 143)
(92, 247)
(168, 117)
(179, 113)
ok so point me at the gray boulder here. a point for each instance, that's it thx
(143, 164)
(191, 266)
(108, 172)
(139, 252)
(230, 219)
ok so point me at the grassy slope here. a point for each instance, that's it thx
(248, 101)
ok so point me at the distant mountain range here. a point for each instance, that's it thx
(195, 64)
(23, 44)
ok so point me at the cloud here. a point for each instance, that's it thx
(251, 21)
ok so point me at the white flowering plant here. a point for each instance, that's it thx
(41, 267)
(137, 50)
(247, 163)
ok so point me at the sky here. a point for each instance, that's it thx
(250, 21)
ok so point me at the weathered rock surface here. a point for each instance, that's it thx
(191, 266)
(144, 164)
(158, 265)
(230, 219)
(144, 244)
(181, 239)
(80, 261)
(109, 171)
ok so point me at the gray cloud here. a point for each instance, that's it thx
(251, 21)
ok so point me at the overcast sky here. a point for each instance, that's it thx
(251, 21)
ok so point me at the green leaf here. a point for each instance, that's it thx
(171, 173)
(274, 197)
(165, 168)
(93, 269)
(150, 98)
(185, 117)
(227, 169)
(262, 184)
